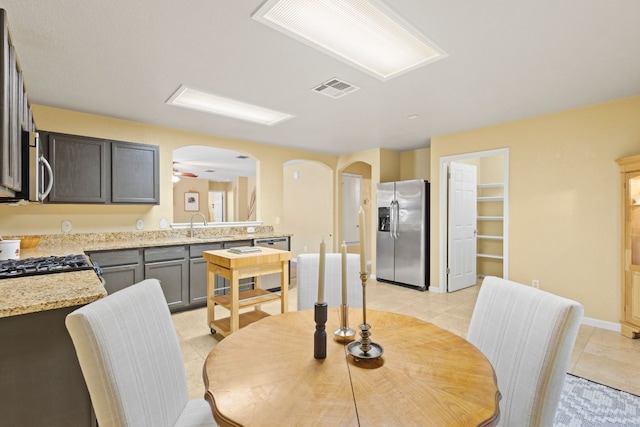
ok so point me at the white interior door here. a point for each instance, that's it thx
(462, 226)
(351, 196)
(219, 206)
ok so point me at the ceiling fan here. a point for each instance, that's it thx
(178, 173)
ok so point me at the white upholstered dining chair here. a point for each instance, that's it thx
(528, 336)
(307, 280)
(132, 363)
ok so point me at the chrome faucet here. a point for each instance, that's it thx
(204, 220)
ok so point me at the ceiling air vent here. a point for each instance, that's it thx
(335, 88)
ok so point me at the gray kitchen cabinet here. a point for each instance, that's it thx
(41, 383)
(15, 113)
(79, 167)
(170, 266)
(135, 173)
(100, 171)
(120, 268)
(198, 273)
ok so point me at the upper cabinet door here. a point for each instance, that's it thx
(15, 114)
(135, 173)
(6, 165)
(79, 166)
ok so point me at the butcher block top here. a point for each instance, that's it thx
(228, 259)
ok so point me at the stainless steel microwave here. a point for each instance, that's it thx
(37, 176)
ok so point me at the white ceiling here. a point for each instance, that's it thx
(507, 60)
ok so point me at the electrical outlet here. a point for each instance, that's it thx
(139, 224)
(66, 226)
(535, 284)
(251, 229)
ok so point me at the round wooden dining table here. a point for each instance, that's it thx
(266, 375)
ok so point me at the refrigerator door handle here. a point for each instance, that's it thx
(394, 219)
(397, 219)
(391, 219)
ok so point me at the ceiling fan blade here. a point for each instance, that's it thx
(187, 174)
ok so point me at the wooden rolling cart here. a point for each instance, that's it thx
(235, 266)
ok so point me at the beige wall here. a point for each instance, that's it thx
(564, 198)
(308, 202)
(415, 164)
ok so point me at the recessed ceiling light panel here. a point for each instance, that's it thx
(214, 104)
(359, 32)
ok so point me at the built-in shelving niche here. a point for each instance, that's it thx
(490, 239)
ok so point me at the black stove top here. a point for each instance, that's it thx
(10, 269)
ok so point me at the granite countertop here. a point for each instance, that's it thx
(51, 291)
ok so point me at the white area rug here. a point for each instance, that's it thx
(587, 404)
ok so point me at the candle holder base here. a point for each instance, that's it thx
(365, 350)
(320, 335)
(344, 335)
(374, 351)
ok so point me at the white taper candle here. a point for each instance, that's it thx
(362, 241)
(321, 271)
(343, 252)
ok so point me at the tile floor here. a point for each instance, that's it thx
(600, 355)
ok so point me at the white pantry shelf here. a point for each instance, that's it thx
(491, 199)
(490, 256)
(490, 218)
(487, 237)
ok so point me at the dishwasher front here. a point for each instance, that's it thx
(271, 282)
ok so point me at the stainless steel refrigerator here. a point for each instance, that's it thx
(402, 236)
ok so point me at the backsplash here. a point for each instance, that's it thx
(66, 239)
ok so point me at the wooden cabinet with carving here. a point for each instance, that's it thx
(630, 185)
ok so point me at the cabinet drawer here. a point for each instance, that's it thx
(195, 251)
(119, 257)
(166, 253)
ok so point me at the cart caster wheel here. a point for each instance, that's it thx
(213, 331)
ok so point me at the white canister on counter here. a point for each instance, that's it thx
(9, 249)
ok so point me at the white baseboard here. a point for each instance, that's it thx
(611, 326)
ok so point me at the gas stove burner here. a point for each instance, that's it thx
(43, 265)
